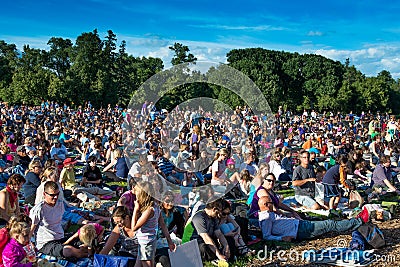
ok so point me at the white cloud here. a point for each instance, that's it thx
(370, 60)
(163, 52)
(240, 27)
(315, 33)
(39, 42)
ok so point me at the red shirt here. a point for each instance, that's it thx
(4, 238)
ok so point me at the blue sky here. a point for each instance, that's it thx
(367, 32)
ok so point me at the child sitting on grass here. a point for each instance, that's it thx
(5, 232)
(89, 235)
(14, 252)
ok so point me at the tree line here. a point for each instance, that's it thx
(101, 71)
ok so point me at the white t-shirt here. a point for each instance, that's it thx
(48, 220)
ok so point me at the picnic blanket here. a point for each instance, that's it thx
(50, 261)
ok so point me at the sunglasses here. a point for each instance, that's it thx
(52, 195)
(225, 213)
(270, 180)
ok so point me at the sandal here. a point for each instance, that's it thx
(244, 250)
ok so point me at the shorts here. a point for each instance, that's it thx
(147, 251)
(54, 248)
(306, 201)
(331, 190)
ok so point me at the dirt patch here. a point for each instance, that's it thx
(387, 256)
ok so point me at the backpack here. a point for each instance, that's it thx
(239, 209)
(372, 235)
(234, 193)
(357, 241)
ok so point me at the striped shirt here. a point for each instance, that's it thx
(165, 166)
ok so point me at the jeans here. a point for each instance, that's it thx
(311, 229)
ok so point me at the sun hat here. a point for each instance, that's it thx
(230, 162)
(69, 161)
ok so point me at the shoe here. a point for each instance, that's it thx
(364, 215)
(244, 250)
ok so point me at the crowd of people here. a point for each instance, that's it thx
(187, 166)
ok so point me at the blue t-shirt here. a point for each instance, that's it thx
(121, 168)
(332, 176)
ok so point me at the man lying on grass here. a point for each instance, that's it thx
(277, 227)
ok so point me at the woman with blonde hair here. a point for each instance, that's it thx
(111, 150)
(118, 166)
(145, 222)
(263, 170)
(195, 136)
(49, 174)
(276, 168)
